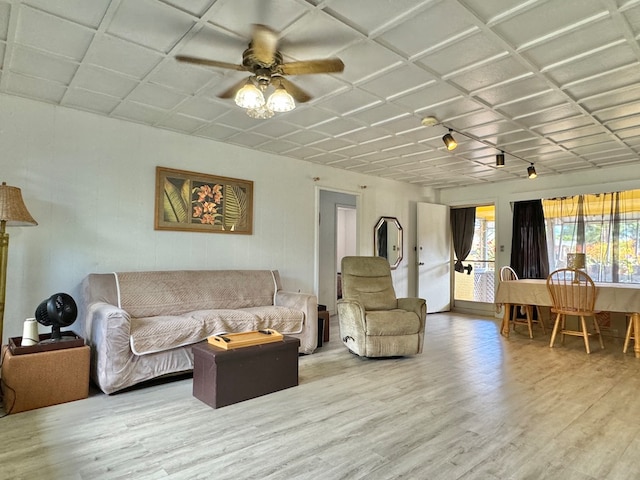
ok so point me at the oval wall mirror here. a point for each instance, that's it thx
(387, 240)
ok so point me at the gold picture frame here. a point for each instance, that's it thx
(198, 202)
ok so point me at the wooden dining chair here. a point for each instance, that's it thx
(631, 334)
(506, 274)
(573, 293)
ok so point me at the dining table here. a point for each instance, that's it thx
(610, 297)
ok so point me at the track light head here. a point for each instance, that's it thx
(449, 141)
(531, 171)
(500, 159)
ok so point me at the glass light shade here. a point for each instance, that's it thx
(281, 101)
(261, 113)
(249, 96)
(449, 141)
(531, 172)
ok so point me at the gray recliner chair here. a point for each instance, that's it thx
(373, 322)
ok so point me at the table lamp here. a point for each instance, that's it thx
(13, 213)
(577, 261)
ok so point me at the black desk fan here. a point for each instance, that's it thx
(57, 311)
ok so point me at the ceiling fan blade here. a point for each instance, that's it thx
(210, 63)
(264, 43)
(232, 90)
(329, 65)
(296, 92)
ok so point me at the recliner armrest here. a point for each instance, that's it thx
(417, 305)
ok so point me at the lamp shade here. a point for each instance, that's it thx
(12, 208)
(449, 141)
(500, 160)
(281, 101)
(249, 96)
(531, 171)
(576, 260)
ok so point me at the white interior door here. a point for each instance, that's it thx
(434, 256)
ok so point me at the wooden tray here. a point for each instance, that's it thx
(69, 340)
(245, 339)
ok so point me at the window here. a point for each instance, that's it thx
(478, 285)
(604, 226)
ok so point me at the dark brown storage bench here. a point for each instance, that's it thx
(223, 377)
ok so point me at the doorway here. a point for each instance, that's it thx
(337, 237)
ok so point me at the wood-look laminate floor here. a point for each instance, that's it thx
(474, 405)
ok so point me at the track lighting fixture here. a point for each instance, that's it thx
(449, 141)
(451, 144)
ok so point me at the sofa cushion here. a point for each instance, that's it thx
(147, 294)
(160, 333)
(282, 319)
(392, 322)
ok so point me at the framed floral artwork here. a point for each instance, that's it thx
(197, 202)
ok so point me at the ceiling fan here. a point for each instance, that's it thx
(267, 67)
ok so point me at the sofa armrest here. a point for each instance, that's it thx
(417, 305)
(308, 304)
(108, 330)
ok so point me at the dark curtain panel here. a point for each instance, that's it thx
(463, 222)
(529, 254)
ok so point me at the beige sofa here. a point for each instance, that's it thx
(140, 325)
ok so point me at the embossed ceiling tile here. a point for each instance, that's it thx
(202, 108)
(138, 112)
(576, 121)
(632, 16)
(38, 64)
(629, 132)
(156, 96)
(278, 146)
(80, 11)
(487, 75)
(105, 81)
(427, 97)
(316, 36)
(576, 133)
(307, 116)
(550, 115)
(248, 139)
(339, 126)
(524, 87)
(467, 52)
(366, 59)
(429, 27)
(239, 15)
(476, 118)
(539, 102)
(590, 140)
(181, 76)
(181, 123)
(380, 114)
(124, 57)
(608, 59)
(90, 101)
(364, 135)
(625, 76)
(305, 137)
(31, 87)
(360, 14)
(545, 18)
(333, 144)
(398, 81)
(618, 112)
(275, 128)
(216, 132)
(48, 33)
(575, 43)
(349, 102)
(622, 123)
(612, 99)
(595, 149)
(195, 7)
(149, 23)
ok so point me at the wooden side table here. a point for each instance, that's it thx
(35, 380)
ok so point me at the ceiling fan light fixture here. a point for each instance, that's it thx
(500, 159)
(531, 172)
(249, 96)
(261, 113)
(280, 101)
(449, 141)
